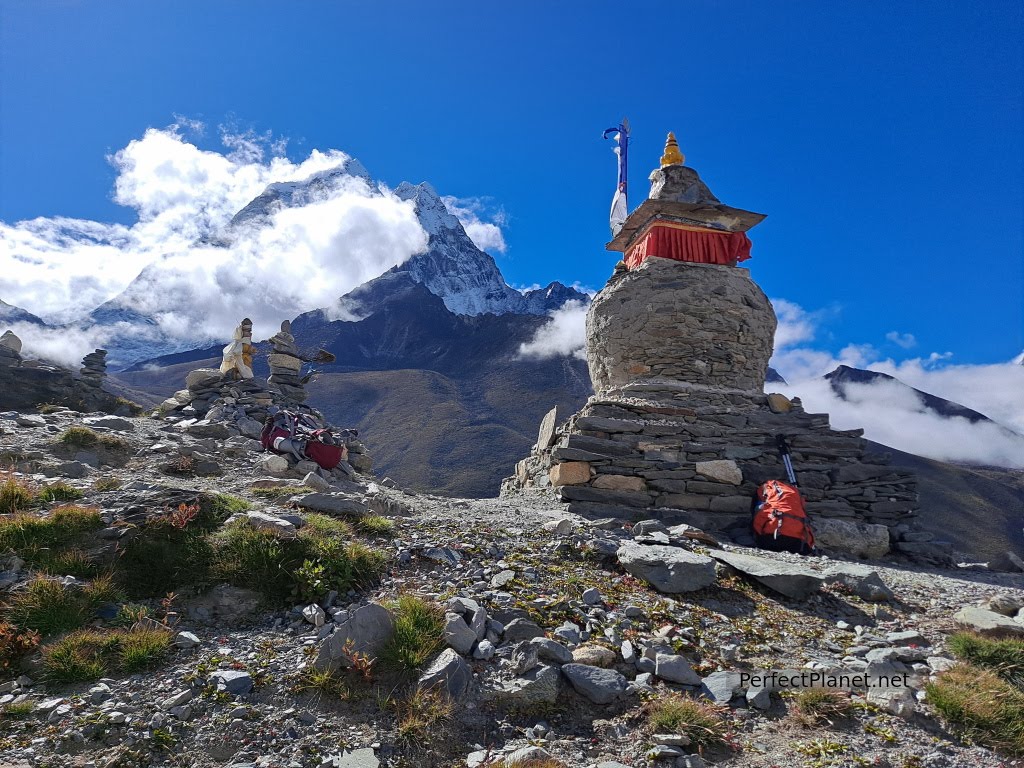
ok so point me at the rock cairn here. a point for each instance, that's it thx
(680, 429)
(94, 368)
(285, 364)
(27, 383)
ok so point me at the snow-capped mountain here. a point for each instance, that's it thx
(452, 267)
(466, 278)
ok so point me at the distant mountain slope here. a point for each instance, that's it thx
(844, 375)
(11, 314)
(979, 509)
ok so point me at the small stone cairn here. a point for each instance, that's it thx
(94, 368)
(285, 364)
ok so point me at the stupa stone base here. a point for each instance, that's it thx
(685, 453)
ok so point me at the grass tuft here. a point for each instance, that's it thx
(978, 701)
(161, 557)
(375, 525)
(1003, 656)
(17, 710)
(816, 706)
(107, 484)
(281, 492)
(79, 437)
(418, 635)
(59, 491)
(15, 495)
(323, 683)
(702, 722)
(422, 714)
(48, 607)
(90, 654)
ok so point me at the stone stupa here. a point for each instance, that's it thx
(680, 428)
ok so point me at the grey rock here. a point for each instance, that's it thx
(759, 698)
(368, 627)
(314, 481)
(502, 578)
(720, 470)
(546, 433)
(668, 569)
(234, 681)
(864, 540)
(450, 671)
(540, 685)
(785, 578)
(522, 629)
(359, 758)
(601, 686)
(484, 650)
(861, 580)
(675, 669)
(458, 634)
(332, 504)
(988, 622)
(592, 596)
(206, 428)
(185, 640)
(550, 650)
(30, 421)
(109, 422)
(722, 686)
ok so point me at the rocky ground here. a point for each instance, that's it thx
(559, 644)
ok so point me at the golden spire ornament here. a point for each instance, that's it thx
(672, 154)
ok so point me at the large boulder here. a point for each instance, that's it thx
(785, 578)
(368, 628)
(668, 569)
(864, 540)
(448, 671)
(988, 623)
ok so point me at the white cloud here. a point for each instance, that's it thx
(473, 213)
(893, 415)
(303, 258)
(563, 335)
(905, 340)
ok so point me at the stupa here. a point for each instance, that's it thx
(679, 428)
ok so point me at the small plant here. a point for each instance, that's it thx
(163, 739)
(133, 408)
(422, 713)
(143, 649)
(1005, 656)
(69, 562)
(15, 643)
(987, 708)
(418, 634)
(888, 735)
(702, 722)
(814, 706)
(17, 710)
(59, 491)
(183, 515)
(375, 525)
(107, 484)
(822, 751)
(47, 408)
(113, 443)
(323, 682)
(358, 662)
(181, 465)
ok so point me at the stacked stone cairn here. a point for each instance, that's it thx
(94, 368)
(215, 404)
(680, 428)
(285, 365)
(27, 383)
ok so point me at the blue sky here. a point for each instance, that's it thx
(883, 140)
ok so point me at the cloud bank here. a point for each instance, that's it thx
(563, 335)
(188, 272)
(895, 415)
(481, 224)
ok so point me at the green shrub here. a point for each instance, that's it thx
(701, 721)
(161, 557)
(318, 557)
(987, 708)
(143, 649)
(1004, 656)
(15, 643)
(215, 508)
(418, 635)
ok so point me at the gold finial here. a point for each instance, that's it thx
(672, 154)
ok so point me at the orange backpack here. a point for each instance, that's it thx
(780, 520)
